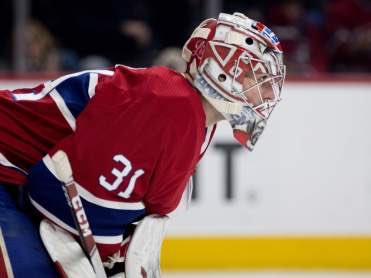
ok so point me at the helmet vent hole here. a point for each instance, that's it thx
(222, 77)
(249, 41)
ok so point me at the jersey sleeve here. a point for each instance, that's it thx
(33, 120)
(29, 127)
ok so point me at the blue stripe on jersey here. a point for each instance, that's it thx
(108, 222)
(75, 92)
(47, 191)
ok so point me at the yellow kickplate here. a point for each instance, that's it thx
(203, 253)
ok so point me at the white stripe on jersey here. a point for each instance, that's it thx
(50, 216)
(50, 85)
(5, 162)
(88, 196)
(98, 239)
(63, 109)
(93, 80)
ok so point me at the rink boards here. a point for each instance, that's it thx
(302, 199)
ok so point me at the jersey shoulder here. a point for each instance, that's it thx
(161, 94)
(169, 83)
(157, 81)
(174, 93)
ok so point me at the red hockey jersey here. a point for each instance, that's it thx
(133, 137)
(139, 139)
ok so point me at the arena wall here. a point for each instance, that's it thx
(301, 200)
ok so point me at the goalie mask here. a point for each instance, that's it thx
(236, 64)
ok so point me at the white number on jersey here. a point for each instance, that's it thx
(120, 175)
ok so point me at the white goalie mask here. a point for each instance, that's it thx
(236, 64)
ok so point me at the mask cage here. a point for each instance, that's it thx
(258, 83)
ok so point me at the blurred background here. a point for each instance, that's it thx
(300, 204)
(318, 36)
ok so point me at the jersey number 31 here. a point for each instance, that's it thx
(120, 175)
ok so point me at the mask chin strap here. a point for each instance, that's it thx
(225, 107)
(215, 99)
